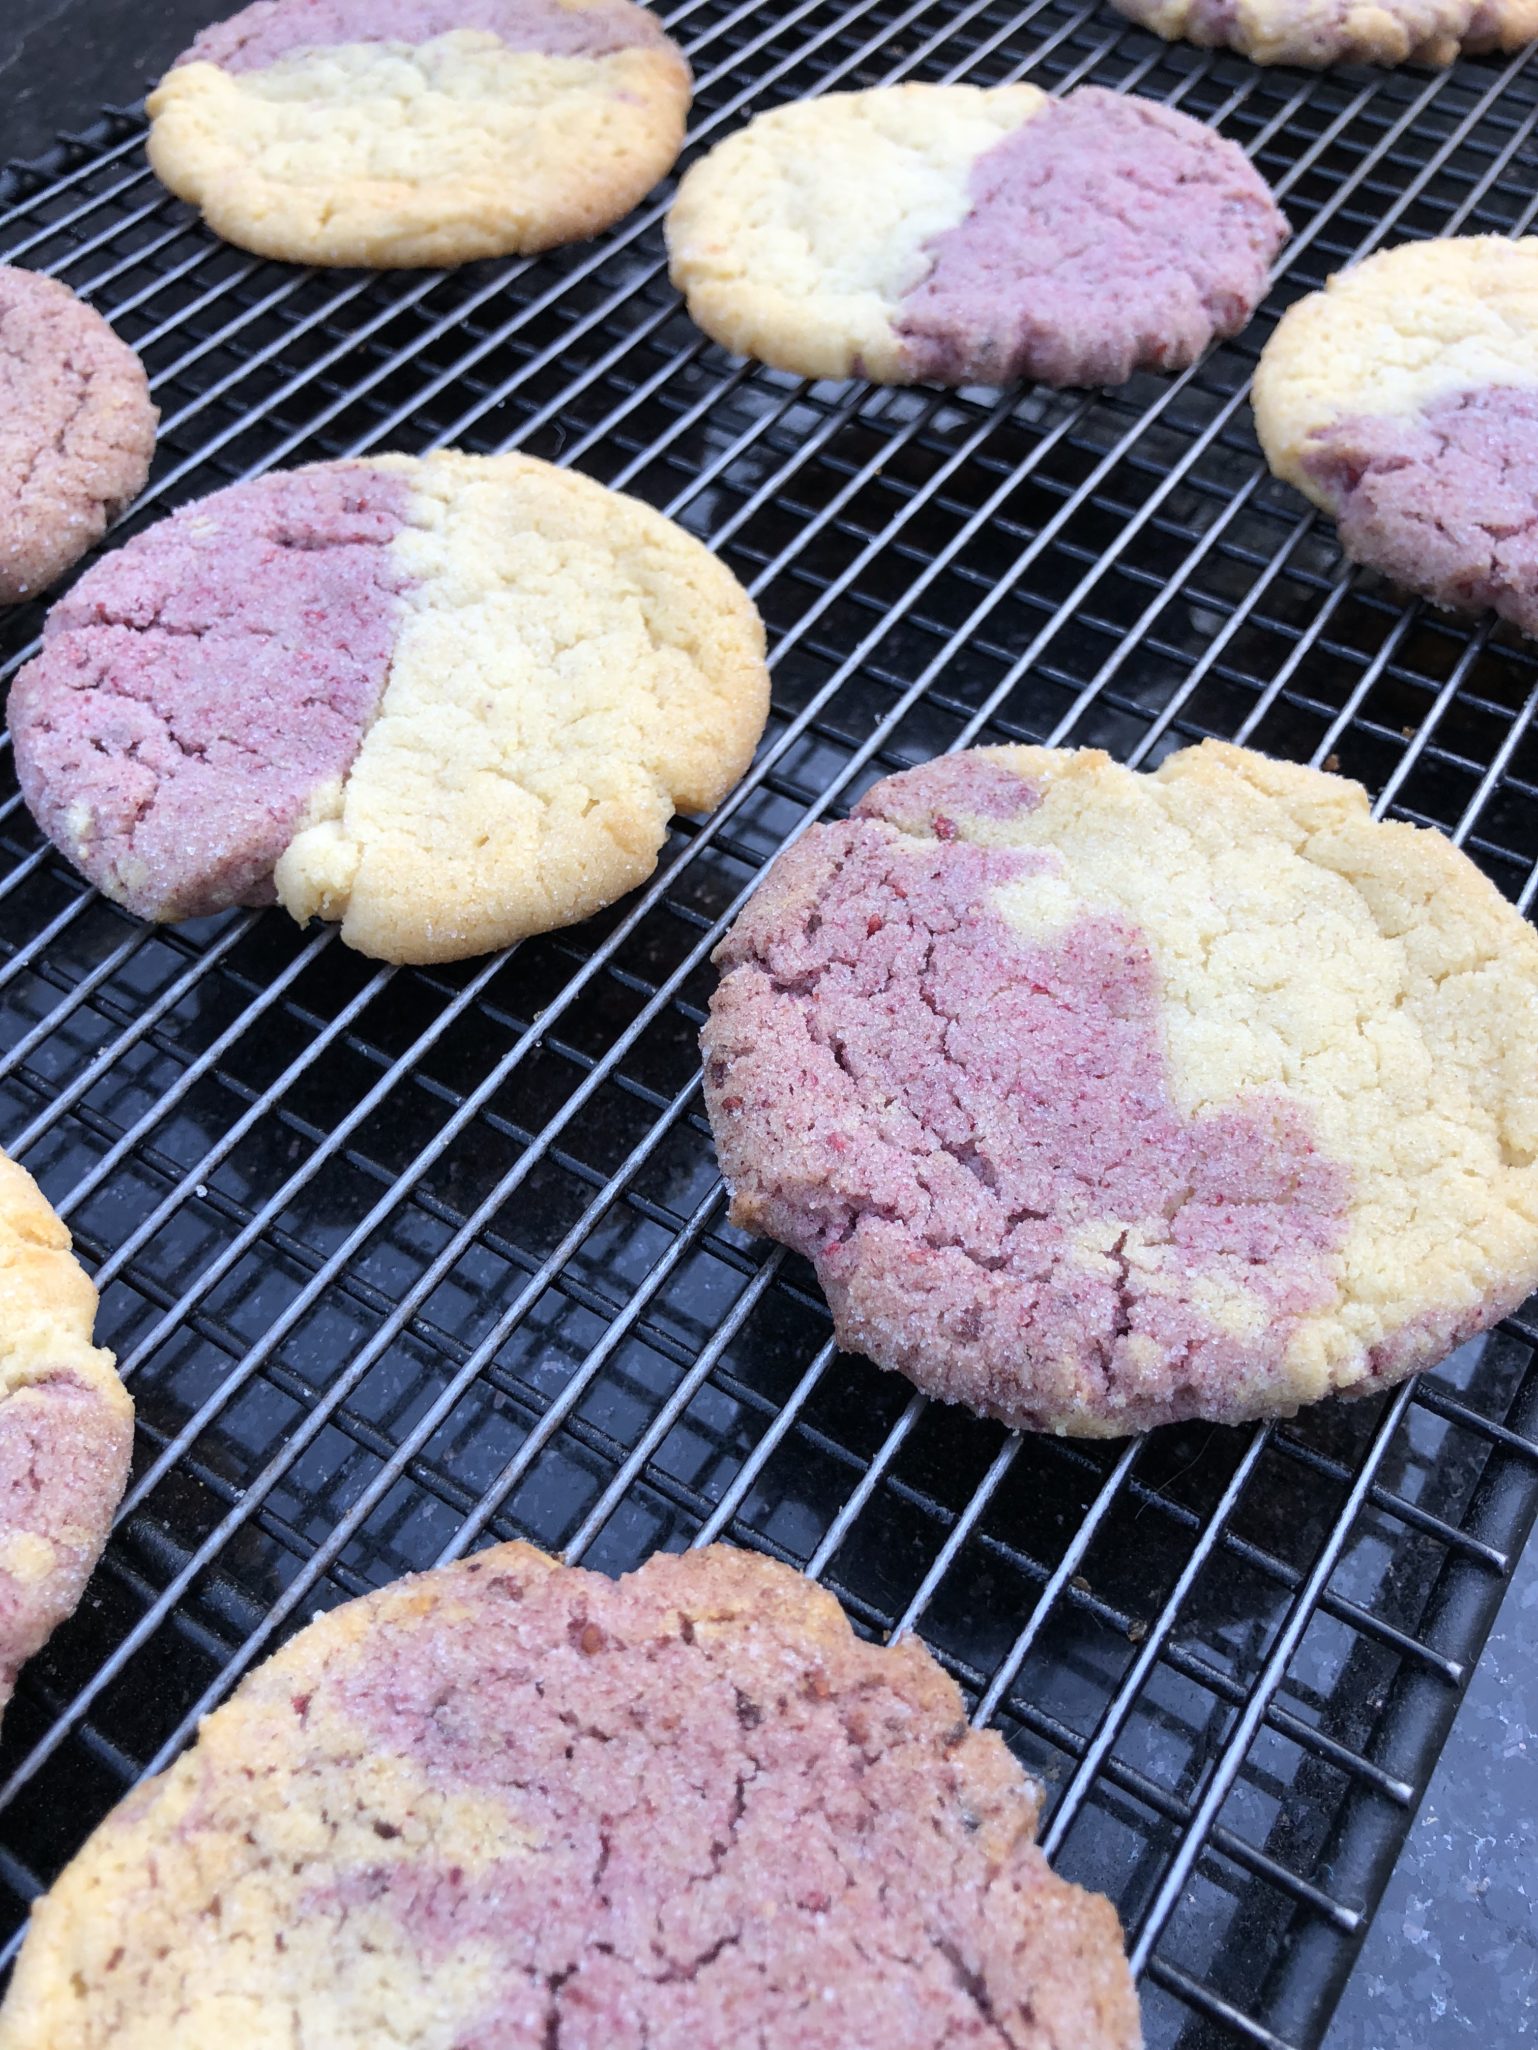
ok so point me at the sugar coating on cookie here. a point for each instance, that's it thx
(515, 1803)
(77, 430)
(66, 1426)
(448, 701)
(963, 234)
(1404, 399)
(389, 133)
(1101, 1100)
(1315, 33)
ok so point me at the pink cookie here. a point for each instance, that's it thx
(77, 431)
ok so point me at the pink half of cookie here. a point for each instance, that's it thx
(199, 688)
(1444, 501)
(64, 1452)
(972, 1134)
(1106, 234)
(272, 29)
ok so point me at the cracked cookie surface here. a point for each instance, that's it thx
(516, 1803)
(66, 1426)
(448, 701)
(1101, 1100)
(1316, 33)
(390, 133)
(77, 430)
(1404, 400)
(969, 235)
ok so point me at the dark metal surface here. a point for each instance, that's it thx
(400, 1261)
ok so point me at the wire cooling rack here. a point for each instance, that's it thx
(399, 1262)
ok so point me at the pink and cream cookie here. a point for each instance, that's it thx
(970, 235)
(396, 132)
(1319, 32)
(66, 1426)
(514, 1804)
(1403, 399)
(1101, 1100)
(77, 431)
(449, 701)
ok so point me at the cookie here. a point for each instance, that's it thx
(970, 235)
(1343, 31)
(66, 1426)
(514, 1803)
(77, 431)
(1404, 400)
(388, 133)
(449, 701)
(1101, 1100)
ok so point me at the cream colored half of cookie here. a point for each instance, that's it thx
(571, 669)
(796, 239)
(47, 1301)
(1368, 970)
(1391, 335)
(392, 154)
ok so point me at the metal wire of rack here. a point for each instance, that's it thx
(400, 1261)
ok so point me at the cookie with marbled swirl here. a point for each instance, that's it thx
(1101, 1100)
(1316, 33)
(517, 1804)
(66, 1426)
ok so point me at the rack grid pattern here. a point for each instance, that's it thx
(399, 1262)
